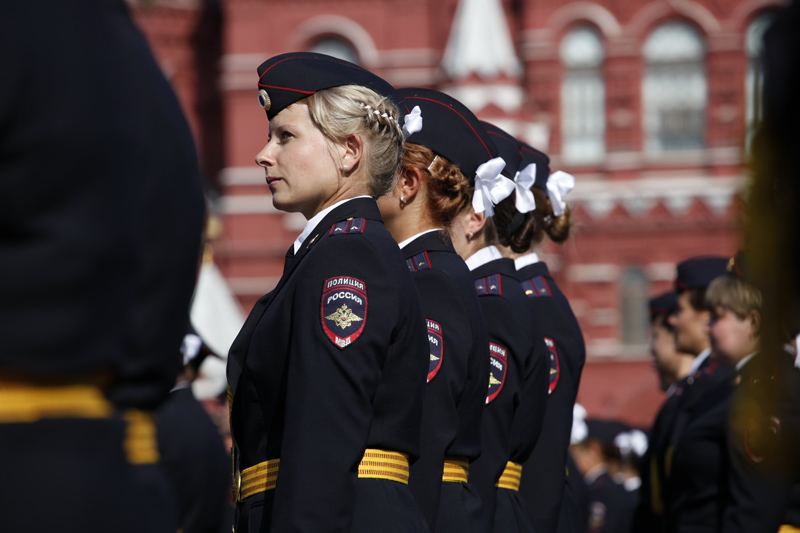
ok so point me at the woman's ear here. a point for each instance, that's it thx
(755, 323)
(475, 222)
(353, 152)
(410, 183)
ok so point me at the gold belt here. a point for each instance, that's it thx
(381, 464)
(510, 477)
(786, 528)
(22, 402)
(456, 470)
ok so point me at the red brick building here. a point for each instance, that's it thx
(648, 103)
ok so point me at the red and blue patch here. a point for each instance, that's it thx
(498, 365)
(555, 369)
(436, 342)
(344, 309)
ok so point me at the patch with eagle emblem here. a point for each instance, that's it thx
(436, 343)
(344, 309)
(498, 363)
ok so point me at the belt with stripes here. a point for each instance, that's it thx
(380, 464)
(510, 477)
(456, 470)
(25, 402)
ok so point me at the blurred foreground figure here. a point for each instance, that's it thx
(100, 230)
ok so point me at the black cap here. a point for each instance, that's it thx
(450, 130)
(532, 155)
(699, 272)
(289, 78)
(508, 147)
(663, 304)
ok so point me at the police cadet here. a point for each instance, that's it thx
(512, 418)
(672, 366)
(327, 375)
(435, 185)
(100, 233)
(693, 455)
(762, 493)
(520, 232)
(192, 453)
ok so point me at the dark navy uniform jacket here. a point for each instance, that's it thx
(610, 506)
(195, 462)
(545, 476)
(331, 362)
(458, 376)
(696, 460)
(763, 482)
(101, 204)
(517, 394)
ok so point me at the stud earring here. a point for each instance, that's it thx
(344, 168)
(470, 235)
(402, 198)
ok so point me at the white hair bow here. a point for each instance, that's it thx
(491, 187)
(524, 181)
(412, 123)
(558, 185)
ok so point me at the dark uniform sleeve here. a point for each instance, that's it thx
(341, 400)
(441, 303)
(529, 418)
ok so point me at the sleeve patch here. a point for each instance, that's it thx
(436, 342)
(343, 309)
(352, 225)
(498, 364)
(555, 370)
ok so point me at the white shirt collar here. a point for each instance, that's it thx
(483, 256)
(411, 239)
(525, 260)
(699, 361)
(316, 219)
(743, 361)
(595, 473)
(671, 389)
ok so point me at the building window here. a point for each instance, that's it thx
(582, 97)
(674, 93)
(633, 291)
(754, 42)
(336, 47)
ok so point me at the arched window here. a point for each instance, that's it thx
(633, 292)
(582, 97)
(336, 47)
(674, 92)
(754, 42)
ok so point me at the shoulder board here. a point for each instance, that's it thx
(536, 287)
(421, 261)
(489, 285)
(351, 225)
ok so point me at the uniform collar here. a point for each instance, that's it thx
(699, 360)
(744, 360)
(412, 239)
(428, 242)
(483, 256)
(525, 260)
(594, 473)
(316, 219)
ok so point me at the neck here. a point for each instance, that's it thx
(478, 242)
(511, 254)
(683, 366)
(410, 220)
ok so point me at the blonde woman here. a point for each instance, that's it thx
(327, 375)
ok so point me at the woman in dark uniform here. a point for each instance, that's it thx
(327, 375)
(519, 234)
(517, 393)
(435, 185)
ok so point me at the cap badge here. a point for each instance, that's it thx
(263, 100)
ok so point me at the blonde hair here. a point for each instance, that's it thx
(733, 294)
(354, 109)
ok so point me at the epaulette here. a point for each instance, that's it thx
(351, 225)
(421, 261)
(536, 287)
(489, 285)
